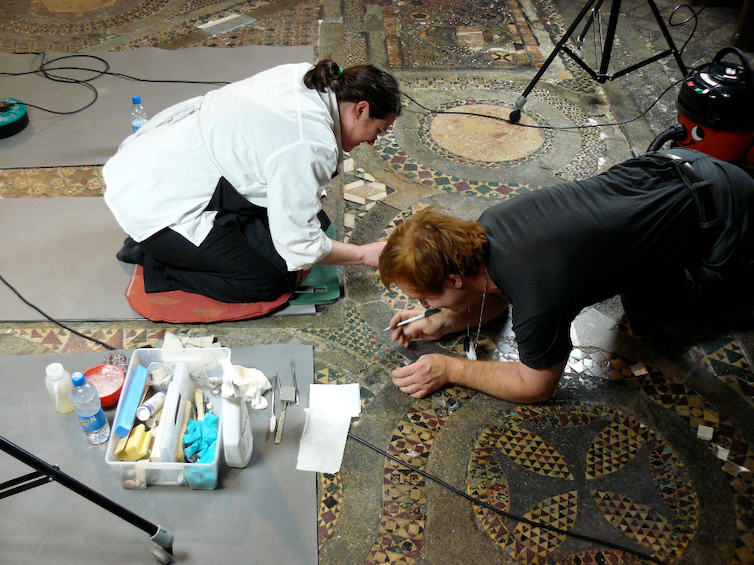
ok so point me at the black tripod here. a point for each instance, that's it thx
(603, 75)
(45, 473)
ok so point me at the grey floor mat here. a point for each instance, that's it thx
(59, 254)
(265, 513)
(93, 135)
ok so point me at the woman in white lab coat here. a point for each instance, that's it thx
(220, 195)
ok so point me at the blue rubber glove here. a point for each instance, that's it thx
(201, 438)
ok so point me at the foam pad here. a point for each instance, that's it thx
(179, 307)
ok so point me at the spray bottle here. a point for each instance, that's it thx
(238, 442)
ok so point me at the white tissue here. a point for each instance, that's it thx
(173, 341)
(253, 384)
(328, 419)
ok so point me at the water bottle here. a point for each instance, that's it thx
(59, 384)
(86, 402)
(138, 113)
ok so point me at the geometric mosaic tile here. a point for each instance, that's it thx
(63, 341)
(615, 446)
(636, 521)
(722, 356)
(528, 449)
(696, 410)
(486, 481)
(330, 493)
(330, 486)
(615, 431)
(358, 336)
(436, 34)
(585, 162)
(558, 511)
(56, 182)
(600, 557)
(400, 533)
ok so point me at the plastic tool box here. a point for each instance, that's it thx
(192, 369)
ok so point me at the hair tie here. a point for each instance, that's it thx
(340, 71)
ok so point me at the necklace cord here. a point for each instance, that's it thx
(469, 348)
(481, 312)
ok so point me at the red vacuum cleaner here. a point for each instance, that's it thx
(716, 111)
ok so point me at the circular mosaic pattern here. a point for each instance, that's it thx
(60, 7)
(50, 19)
(522, 449)
(56, 25)
(483, 142)
(410, 148)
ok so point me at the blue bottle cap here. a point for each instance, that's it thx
(78, 378)
(136, 99)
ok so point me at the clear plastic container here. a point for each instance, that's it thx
(201, 364)
(238, 442)
(138, 113)
(86, 403)
(59, 384)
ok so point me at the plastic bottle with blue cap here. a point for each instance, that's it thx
(86, 403)
(138, 113)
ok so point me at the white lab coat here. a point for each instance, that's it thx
(276, 141)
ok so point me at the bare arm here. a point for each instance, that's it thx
(350, 254)
(512, 381)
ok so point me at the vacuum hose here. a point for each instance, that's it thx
(674, 132)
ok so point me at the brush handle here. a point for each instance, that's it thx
(428, 312)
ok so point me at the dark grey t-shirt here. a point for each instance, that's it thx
(560, 249)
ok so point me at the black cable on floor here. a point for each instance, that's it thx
(694, 16)
(564, 128)
(488, 506)
(54, 321)
(46, 69)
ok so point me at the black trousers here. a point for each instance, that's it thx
(720, 285)
(237, 262)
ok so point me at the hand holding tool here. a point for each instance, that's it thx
(427, 312)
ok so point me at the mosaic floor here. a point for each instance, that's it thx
(578, 465)
(628, 452)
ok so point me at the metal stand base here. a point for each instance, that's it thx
(46, 473)
(602, 75)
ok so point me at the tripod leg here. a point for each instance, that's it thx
(157, 533)
(579, 41)
(668, 38)
(609, 38)
(515, 115)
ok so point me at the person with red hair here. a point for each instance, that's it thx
(671, 232)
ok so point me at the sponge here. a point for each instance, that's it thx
(127, 413)
(137, 445)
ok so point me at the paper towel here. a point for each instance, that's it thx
(328, 419)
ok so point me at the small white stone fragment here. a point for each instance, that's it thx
(704, 432)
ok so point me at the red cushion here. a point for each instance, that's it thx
(179, 307)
